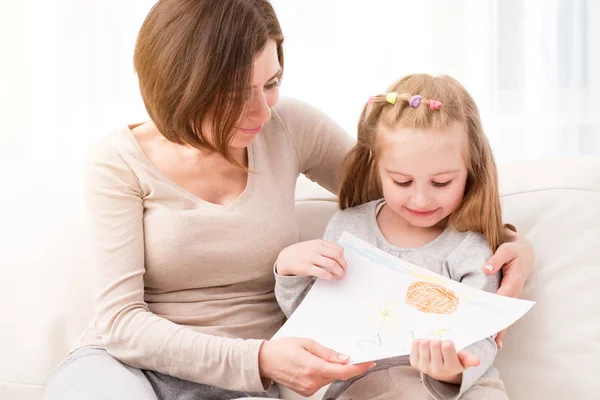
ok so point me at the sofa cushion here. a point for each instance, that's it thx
(554, 351)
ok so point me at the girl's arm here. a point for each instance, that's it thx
(301, 264)
(464, 266)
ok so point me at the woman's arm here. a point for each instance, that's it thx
(515, 258)
(319, 142)
(130, 332)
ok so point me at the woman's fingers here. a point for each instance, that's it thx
(503, 255)
(499, 338)
(325, 353)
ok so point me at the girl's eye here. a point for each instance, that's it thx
(274, 84)
(403, 184)
(441, 184)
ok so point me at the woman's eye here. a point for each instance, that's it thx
(441, 184)
(274, 84)
(403, 184)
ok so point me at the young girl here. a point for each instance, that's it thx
(420, 184)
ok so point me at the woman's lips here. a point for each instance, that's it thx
(252, 131)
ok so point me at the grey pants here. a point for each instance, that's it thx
(91, 373)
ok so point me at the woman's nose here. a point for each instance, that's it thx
(259, 109)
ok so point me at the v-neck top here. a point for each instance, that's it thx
(128, 131)
(184, 286)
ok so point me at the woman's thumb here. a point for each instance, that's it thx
(326, 353)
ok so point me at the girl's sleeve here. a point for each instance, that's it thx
(465, 264)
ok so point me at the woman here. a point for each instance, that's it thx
(190, 210)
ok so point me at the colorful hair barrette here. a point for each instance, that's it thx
(391, 97)
(414, 101)
(434, 104)
(371, 100)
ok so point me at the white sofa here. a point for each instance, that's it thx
(552, 353)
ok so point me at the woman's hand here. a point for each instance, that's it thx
(515, 258)
(304, 365)
(318, 258)
(440, 360)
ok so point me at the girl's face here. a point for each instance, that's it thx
(263, 94)
(423, 173)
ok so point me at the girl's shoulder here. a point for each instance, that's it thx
(359, 213)
(359, 221)
(466, 243)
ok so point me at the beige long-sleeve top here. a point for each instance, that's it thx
(183, 286)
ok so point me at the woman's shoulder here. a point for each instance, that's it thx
(303, 121)
(111, 157)
(118, 143)
(291, 109)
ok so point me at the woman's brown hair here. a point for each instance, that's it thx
(479, 210)
(194, 58)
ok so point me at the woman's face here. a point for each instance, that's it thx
(263, 94)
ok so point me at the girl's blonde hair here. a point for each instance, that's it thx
(479, 211)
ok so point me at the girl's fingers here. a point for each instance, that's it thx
(335, 252)
(424, 354)
(320, 273)
(449, 355)
(437, 360)
(414, 354)
(330, 265)
(467, 359)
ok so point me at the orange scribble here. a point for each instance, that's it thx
(432, 298)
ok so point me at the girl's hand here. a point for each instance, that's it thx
(304, 365)
(515, 258)
(318, 258)
(440, 360)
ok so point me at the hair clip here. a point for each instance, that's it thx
(371, 100)
(391, 97)
(414, 101)
(434, 104)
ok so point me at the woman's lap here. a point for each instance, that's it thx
(91, 373)
(404, 382)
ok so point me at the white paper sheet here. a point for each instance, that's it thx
(368, 315)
